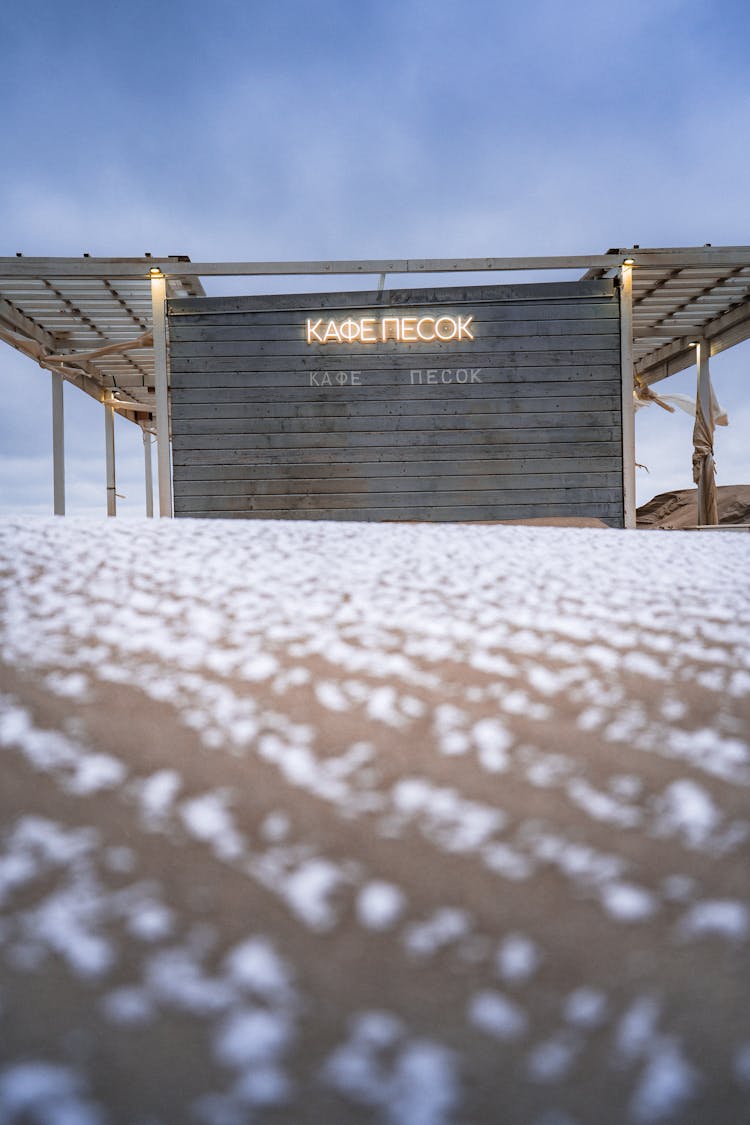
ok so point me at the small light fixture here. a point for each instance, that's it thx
(693, 343)
(155, 272)
(629, 262)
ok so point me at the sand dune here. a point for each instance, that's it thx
(351, 823)
(679, 509)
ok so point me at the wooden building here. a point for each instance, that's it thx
(474, 403)
(239, 384)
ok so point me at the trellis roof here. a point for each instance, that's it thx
(77, 315)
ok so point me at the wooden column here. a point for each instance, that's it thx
(628, 408)
(158, 308)
(148, 474)
(109, 445)
(58, 445)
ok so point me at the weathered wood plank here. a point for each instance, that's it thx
(413, 407)
(230, 371)
(563, 308)
(496, 467)
(394, 500)
(404, 439)
(609, 512)
(393, 460)
(396, 298)
(482, 328)
(202, 400)
(569, 347)
(594, 323)
(368, 484)
(485, 421)
(604, 313)
(368, 477)
(506, 311)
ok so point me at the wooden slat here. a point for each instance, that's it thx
(306, 501)
(366, 484)
(610, 512)
(294, 334)
(406, 439)
(516, 319)
(243, 415)
(524, 302)
(280, 370)
(543, 292)
(207, 399)
(564, 348)
(496, 469)
(484, 422)
(511, 321)
(391, 459)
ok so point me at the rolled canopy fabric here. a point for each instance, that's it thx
(704, 467)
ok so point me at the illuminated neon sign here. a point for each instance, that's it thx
(402, 329)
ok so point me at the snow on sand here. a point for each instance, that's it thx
(403, 824)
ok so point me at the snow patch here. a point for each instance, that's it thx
(686, 809)
(626, 902)
(667, 1083)
(552, 1060)
(309, 889)
(725, 918)
(446, 926)
(585, 1007)
(54, 1095)
(517, 959)
(379, 905)
(497, 1015)
(207, 819)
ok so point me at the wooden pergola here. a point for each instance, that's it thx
(99, 323)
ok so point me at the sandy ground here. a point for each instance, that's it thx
(679, 509)
(338, 823)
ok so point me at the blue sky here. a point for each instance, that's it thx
(273, 130)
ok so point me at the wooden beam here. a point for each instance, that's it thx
(144, 341)
(33, 350)
(645, 332)
(701, 257)
(13, 318)
(59, 268)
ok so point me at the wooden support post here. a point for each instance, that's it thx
(109, 444)
(149, 474)
(628, 408)
(58, 445)
(163, 459)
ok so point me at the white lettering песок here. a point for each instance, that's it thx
(434, 375)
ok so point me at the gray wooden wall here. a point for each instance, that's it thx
(539, 435)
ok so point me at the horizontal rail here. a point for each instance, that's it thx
(117, 267)
(684, 258)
